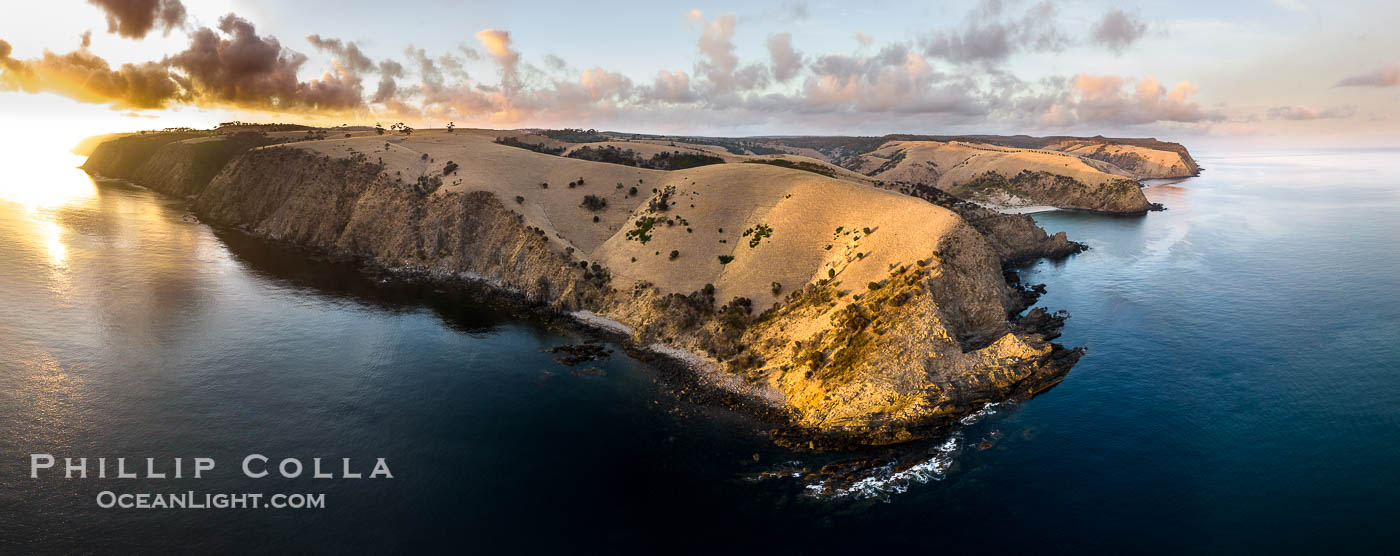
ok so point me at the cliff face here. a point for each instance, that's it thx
(178, 164)
(349, 207)
(1118, 196)
(902, 328)
(121, 157)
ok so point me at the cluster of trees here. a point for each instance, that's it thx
(242, 126)
(571, 135)
(537, 147)
(798, 165)
(674, 160)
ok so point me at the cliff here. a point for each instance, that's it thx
(860, 316)
(177, 164)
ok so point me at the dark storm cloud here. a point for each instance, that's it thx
(134, 18)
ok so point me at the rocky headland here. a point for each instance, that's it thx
(857, 311)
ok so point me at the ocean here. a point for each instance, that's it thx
(1240, 393)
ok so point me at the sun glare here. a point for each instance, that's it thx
(41, 177)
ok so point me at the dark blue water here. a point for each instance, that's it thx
(1241, 393)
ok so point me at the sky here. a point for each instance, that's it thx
(1260, 71)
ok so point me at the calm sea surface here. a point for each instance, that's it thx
(1241, 392)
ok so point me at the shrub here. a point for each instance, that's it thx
(595, 218)
(594, 202)
(873, 285)
(450, 168)
(831, 273)
(519, 199)
(724, 259)
(632, 191)
(675, 254)
(757, 233)
(777, 288)
(642, 229)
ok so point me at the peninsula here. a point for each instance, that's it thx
(854, 287)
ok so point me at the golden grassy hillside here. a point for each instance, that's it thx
(1140, 161)
(1066, 180)
(778, 224)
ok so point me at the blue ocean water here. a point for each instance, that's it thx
(1241, 393)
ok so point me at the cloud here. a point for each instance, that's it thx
(896, 80)
(863, 39)
(987, 37)
(497, 44)
(787, 62)
(346, 53)
(387, 91)
(555, 63)
(85, 77)
(1388, 76)
(1117, 30)
(718, 64)
(428, 72)
(249, 71)
(134, 18)
(1115, 100)
(1307, 113)
(794, 10)
(901, 84)
(672, 87)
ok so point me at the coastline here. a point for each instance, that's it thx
(530, 275)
